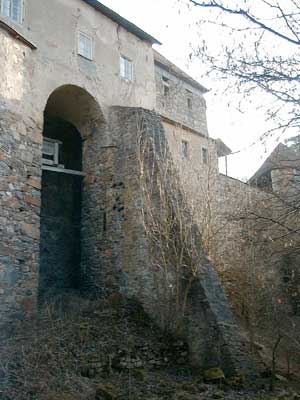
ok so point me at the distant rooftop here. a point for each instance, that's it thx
(167, 65)
(129, 26)
(222, 149)
(281, 157)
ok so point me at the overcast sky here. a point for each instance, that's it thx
(175, 26)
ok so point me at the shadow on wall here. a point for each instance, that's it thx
(60, 208)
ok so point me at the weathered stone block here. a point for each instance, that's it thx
(31, 230)
(26, 156)
(35, 201)
(12, 202)
(34, 182)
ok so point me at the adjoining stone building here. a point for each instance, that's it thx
(279, 172)
(77, 79)
(278, 179)
(223, 206)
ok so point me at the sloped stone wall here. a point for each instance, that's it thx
(211, 330)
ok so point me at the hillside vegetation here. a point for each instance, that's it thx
(87, 350)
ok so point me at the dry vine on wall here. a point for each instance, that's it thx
(174, 246)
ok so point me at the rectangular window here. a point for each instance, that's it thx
(166, 86)
(189, 99)
(85, 46)
(126, 68)
(204, 155)
(12, 9)
(185, 148)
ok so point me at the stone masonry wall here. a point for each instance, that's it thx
(115, 254)
(20, 152)
(102, 215)
(174, 105)
(29, 74)
(136, 280)
(231, 201)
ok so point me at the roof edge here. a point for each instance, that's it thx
(222, 149)
(183, 126)
(129, 26)
(178, 72)
(272, 163)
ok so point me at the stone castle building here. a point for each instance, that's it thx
(75, 80)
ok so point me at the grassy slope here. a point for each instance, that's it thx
(101, 350)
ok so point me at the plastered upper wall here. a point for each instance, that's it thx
(30, 76)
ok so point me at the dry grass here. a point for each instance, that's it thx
(76, 345)
(56, 357)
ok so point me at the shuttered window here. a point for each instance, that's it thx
(85, 46)
(126, 68)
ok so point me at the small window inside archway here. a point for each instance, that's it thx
(62, 145)
(52, 152)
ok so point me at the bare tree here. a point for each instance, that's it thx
(259, 52)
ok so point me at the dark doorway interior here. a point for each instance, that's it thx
(61, 208)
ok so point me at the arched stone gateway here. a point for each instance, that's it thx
(75, 105)
(71, 215)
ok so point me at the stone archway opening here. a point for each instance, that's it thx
(71, 118)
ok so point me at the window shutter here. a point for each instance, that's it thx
(85, 44)
(5, 8)
(16, 10)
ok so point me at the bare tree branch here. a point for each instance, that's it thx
(245, 14)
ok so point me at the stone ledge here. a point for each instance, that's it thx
(16, 35)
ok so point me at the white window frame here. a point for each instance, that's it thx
(10, 16)
(125, 61)
(51, 148)
(90, 39)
